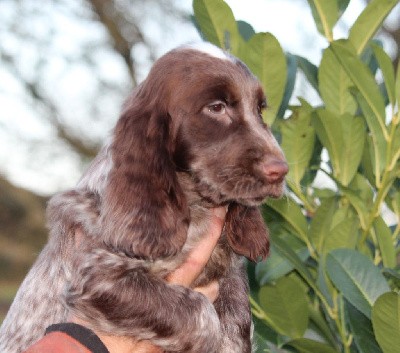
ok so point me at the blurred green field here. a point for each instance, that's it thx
(22, 236)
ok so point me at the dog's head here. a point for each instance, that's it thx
(199, 112)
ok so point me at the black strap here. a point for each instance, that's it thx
(82, 334)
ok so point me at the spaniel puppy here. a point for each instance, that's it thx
(190, 137)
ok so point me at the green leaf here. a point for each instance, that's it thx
(361, 328)
(265, 58)
(292, 214)
(342, 235)
(325, 13)
(334, 84)
(395, 147)
(363, 80)
(306, 345)
(309, 70)
(342, 6)
(321, 222)
(386, 66)
(359, 280)
(378, 135)
(285, 250)
(291, 63)
(217, 23)
(328, 128)
(386, 246)
(393, 276)
(358, 203)
(245, 30)
(318, 320)
(277, 265)
(344, 138)
(386, 322)
(298, 138)
(263, 333)
(393, 202)
(285, 304)
(369, 22)
(354, 135)
(368, 160)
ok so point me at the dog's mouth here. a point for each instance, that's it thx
(274, 191)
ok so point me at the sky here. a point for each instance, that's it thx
(290, 21)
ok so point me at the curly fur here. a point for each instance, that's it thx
(189, 138)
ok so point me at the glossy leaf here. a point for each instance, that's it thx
(393, 202)
(325, 13)
(395, 148)
(334, 84)
(265, 58)
(306, 345)
(277, 265)
(363, 80)
(386, 322)
(342, 6)
(292, 214)
(393, 276)
(358, 203)
(344, 137)
(323, 281)
(321, 222)
(342, 235)
(361, 328)
(369, 22)
(386, 246)
(285, 304)
(291, 64)
(298, 138)
(310, 71)
(378, 135)
(359, 280)
(217, 23)
(386, 66)
(285, 250)
(354, 135)
(245, 29)
(368, 160)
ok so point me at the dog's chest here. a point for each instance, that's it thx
(222, 256)
(220, 260)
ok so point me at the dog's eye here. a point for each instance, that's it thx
(261, 107)
(217, 108)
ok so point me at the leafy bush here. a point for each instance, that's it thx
(331, 283)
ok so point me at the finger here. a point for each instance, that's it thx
(198, 258)
(146, 347)
(211, 291)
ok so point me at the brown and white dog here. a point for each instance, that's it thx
(190, 137)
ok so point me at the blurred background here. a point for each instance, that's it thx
(66, 67)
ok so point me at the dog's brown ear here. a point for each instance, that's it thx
(144, 211)
(246, 232)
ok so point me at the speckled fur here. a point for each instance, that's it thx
(145, 202)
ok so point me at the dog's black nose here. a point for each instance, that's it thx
(275, 171)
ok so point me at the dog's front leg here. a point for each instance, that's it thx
(117, 295)
(233, 309)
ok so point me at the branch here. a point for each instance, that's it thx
(32, 87)
(115, 21)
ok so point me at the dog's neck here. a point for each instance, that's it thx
(194, 198)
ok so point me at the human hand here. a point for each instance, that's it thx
(188, 272)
